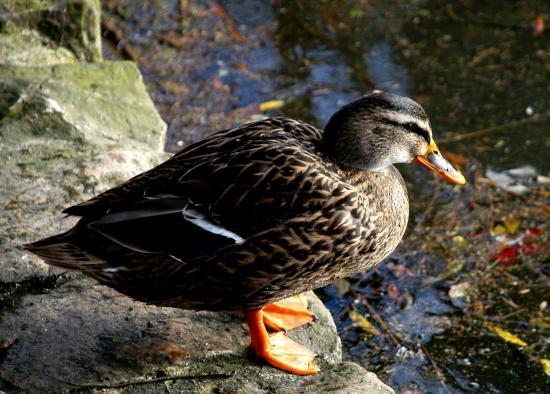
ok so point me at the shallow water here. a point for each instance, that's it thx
(474, 66)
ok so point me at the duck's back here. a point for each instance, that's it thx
(245, 217)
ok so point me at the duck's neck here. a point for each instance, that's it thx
(350, 144)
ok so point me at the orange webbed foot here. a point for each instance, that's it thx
(279, 350)
(287, 314)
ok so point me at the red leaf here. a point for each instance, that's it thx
(507, 256)
(527, 247)
(534, 232)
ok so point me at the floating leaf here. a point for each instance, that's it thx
(541, 322)
(545, 365)
(393, 291)
(174, 87)
(507, 256)
(506, 335)
(271, 104)
(459, 241)
(534, 232)
(498, 229)
(218, 84)
(538, 26)
(362, 322)
(176, 40)
(528, 248)
(500, 179)
(512, 225)
(7, 342)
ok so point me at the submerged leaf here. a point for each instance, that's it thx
(363, 323)
(506, 335)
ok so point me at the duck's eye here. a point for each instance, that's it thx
(414, 128)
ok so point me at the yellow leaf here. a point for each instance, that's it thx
(271, 104)
(459, 241)
(545, 365)
(512, 225)
(498, 229)
(362, 322)
(506, 335)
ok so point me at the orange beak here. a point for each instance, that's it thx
(434, 161)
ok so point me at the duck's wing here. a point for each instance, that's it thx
(218, 192)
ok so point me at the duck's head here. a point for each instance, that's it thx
(381, 129)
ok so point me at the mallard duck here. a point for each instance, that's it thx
(251, 217)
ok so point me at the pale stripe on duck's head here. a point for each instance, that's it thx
(378, 130)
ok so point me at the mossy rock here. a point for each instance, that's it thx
(47, 32)
(67, 132)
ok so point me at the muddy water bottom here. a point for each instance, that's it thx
(435, 317)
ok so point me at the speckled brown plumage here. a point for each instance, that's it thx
(305, 221)
(254, 214)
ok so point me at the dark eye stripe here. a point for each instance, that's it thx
(414, 128)
(410, 127)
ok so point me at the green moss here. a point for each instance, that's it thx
(100, 104)
(50, 32)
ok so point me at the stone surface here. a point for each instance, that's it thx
(81, 335)
(46, 32)
(67, 132)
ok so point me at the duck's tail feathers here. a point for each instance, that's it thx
(60, 252)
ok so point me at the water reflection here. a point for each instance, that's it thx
(386, 74)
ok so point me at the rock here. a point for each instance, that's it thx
(67, 132)
(49, 32)
(81, 334)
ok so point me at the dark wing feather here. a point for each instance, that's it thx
(242, 181)
(142, 227)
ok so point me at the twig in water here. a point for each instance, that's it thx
(479, 133)
(229, 22)
(438, 371)
(379, 319)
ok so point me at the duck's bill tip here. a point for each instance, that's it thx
(438, 164)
